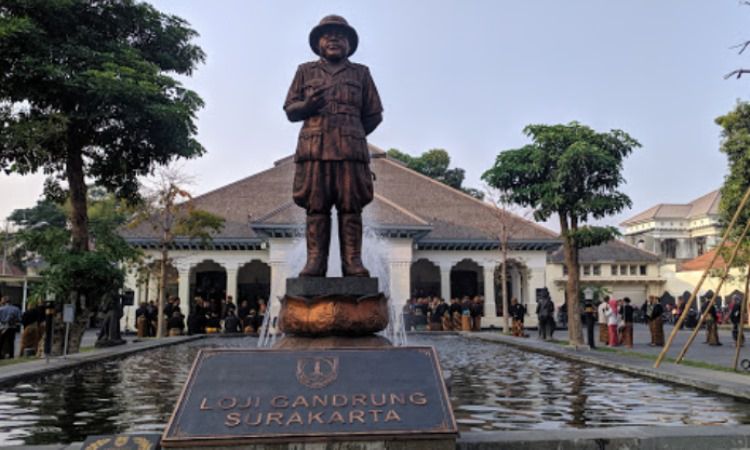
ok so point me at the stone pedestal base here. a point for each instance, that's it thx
(349, 306)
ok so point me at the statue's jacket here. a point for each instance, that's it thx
(336, 133)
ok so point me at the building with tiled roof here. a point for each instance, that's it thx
(422, 238)
(677, 231)
(620, 268)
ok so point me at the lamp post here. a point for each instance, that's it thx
(588, 295)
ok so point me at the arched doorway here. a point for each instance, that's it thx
(466, 279)
(425, 279)
(208, 280)
(253, 283)
(516, 280)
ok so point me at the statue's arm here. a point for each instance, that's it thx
(296, 106)
(372, 108)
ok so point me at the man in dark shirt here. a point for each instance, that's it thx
(10, 322)
(340, 106)
(517, 313)
(626, 311)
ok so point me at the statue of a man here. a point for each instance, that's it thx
(340, 106)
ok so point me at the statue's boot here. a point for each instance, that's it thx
(318, 236)
(350, 239)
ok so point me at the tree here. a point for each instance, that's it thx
(509, 225)
(86, 93)
(574, 172)
(97, 272)
(434, 164)
(169, 210)
(45, 212)
(735, 144)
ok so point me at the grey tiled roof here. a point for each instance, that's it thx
(612, 251)
(403, 197)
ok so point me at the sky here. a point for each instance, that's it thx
(468, 76)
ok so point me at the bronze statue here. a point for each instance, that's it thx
(340, 106)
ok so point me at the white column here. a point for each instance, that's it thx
(445, 281)
(183, 288)
(278, 288)
(232, 270)
(490, 309)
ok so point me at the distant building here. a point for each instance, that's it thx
(431, 240)
(676, 231)
(620, 268)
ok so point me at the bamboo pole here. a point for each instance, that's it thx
(711, 302)
(743, 318)
(700, 283)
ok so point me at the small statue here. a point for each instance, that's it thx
(109, 334)
(340, 106)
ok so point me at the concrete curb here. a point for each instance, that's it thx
(717, 382)
(638, 437)
(37, 368)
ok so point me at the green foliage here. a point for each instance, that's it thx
(574, 172)
(198, 224)
(589, 236)
(95, 273)
(434, 164)
(735, 144)
(570, 170)
(44, 212)
(95, 77)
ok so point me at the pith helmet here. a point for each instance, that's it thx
(333, 21)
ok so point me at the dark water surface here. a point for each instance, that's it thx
(493, 388)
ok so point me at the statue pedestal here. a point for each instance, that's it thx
(385, 396)
(350, 306)
(330, 384)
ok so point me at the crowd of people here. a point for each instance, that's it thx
(435, 314)
(205, 317)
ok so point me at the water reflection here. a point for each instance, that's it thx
(500, 388)
(493, 388)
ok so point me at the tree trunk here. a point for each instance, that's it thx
(79, 227)
(162, 293)
(575, 333)
(504, 287)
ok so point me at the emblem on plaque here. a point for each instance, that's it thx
(317, 372)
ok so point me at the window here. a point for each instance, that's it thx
(633, 270)
(597, 269)
(669, 248)
(587, 269)
(643, 269)
(614, 269)
(565, 269)
(623, 269)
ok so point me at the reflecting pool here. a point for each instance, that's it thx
(493, 387)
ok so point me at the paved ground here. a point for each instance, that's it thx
(699, 351)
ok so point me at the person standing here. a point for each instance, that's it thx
(517, 313)
(612, 319)
(712, 327)
(627, 317)
(10, 321)
(601, 318)
(655, 321)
